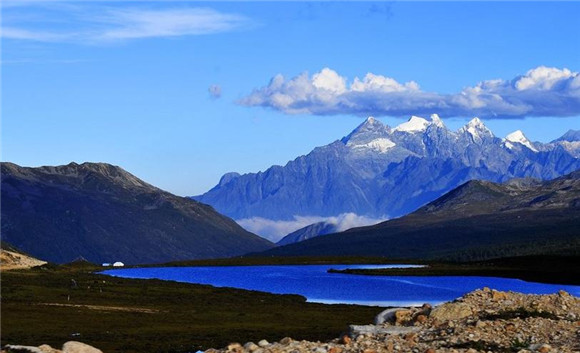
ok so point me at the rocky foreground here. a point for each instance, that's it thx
(10, 260)
(481, 321)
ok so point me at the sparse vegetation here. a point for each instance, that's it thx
(520, 313)
(44, 305)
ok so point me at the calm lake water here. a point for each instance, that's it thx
(317, 285)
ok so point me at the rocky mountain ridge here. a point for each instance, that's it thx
(385, 172)
(105, 214)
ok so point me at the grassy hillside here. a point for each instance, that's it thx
(105, 214)
(125, 315)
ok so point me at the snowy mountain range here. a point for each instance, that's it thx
(381, 172)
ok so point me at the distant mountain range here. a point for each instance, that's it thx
(105, 214)
(381, 172)
(478, 220)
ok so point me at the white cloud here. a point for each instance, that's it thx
(215, 91)
(328, 79)
(351, 220)
(41, 36)
(138, 23)
(542, 91)
(275, 230)
(543, 78)
(101, 24)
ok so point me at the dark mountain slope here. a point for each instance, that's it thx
(478, 220)
(308, 232)
(103, 213)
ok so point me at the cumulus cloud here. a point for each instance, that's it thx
(542, 91)
(101, 24)
(275, 230)
(215, 91)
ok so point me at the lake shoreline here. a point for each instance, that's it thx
(43, 305)
(562, 270)
(548, 269)
(186, 317)
(336, 284)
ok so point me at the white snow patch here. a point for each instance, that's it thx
(381, 145)
(436, 120)
(519, 137)
(415, 124)
(570, 145)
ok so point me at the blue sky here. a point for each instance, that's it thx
(128, 83)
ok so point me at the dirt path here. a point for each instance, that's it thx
(105, 308)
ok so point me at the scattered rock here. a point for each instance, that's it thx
(263, 343)
(387, 316)
(235, 347)
(545, 348)
(451, 311)
(48, 349)
(421, 318)
(24, 349)
(510, 327)
(79, 347)
(497, 296)
(402, 317)
(361, 330)
(251, 346)
(335, 350)
(286, 341)
(541, 322)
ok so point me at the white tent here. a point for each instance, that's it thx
(118, 264)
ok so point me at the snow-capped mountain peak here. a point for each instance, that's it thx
(414, 124)
(436, 120)
(518, 137)
(371, 120)
(477, 129)
(375, 171)
(418, 124)
(370, 124)
(369, 130)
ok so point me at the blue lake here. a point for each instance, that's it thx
(317, 285)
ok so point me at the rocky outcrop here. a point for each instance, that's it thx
(68, 347)
(481, 321)
(10, 260)
(79, 347)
